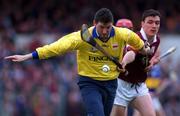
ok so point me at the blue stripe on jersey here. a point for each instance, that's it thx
(95, 35)
(35, 55)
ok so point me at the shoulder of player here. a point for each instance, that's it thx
(122, 31)
(91, 29)
(72, 38)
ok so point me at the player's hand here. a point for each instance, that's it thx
(18, 58)
(122, 70)
(148, 68)
(155, 60)
(123, 67)
(152, 62)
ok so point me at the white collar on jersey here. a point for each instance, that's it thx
(145, 37)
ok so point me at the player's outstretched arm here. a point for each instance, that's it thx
(19, 58)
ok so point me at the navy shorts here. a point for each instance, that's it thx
(98, 96)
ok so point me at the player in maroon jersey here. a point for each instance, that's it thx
(132, 89)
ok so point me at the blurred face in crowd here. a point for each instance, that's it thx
(151, 25)
(125, 23)
(103, 29)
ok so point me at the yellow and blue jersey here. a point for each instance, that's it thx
(90, 60)
(154, 78)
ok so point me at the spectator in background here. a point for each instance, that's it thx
(154, 83)
(125, 23)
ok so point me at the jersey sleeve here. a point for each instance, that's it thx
(65, 44)
(134, 40)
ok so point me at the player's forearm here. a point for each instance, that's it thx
(156, 58)
(28, 56)
(19, 58)
(128, 58)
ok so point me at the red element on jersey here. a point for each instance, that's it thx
(115, 45)
(124, 23)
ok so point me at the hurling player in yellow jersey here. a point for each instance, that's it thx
(97, 73)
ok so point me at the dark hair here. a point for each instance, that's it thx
(104, 15)
(150, 12)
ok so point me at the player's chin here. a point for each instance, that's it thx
(152, 33)
(104, 38)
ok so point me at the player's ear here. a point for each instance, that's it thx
(94, 23)
(142, 22)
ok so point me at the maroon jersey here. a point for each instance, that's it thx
(136, 69)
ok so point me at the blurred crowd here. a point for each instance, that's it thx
(48, 87)
(62, 16)
(38, 88)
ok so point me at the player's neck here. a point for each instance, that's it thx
(150, 39)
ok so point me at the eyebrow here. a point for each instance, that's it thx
(153, 20)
